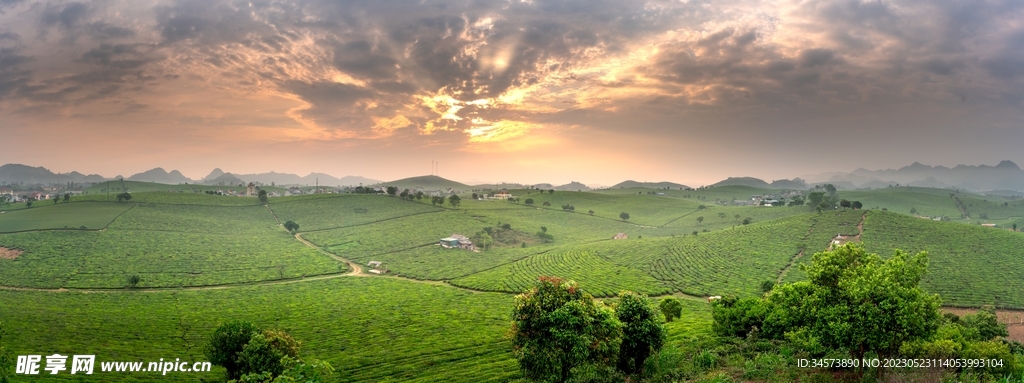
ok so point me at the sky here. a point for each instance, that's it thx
(529, 91)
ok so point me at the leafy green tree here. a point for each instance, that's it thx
(546, 203)
(227, 342)
(291, 226)
(126, 196)
(857, 205)
(392, 190)
(1014, 226)
(419, 195)
(816, 198)
(404, 193)
(590, 212)
(855, 301)
(987, 324)
(845, 204)
(528, 201)
(133, 280)
(701, 207)
(671, 308)
(264, 351)
(454, 201)
(624, 216)
(262, 196)
(67, 197)
(544, 229)
(556, 326)
(747, 221)
(475, 196)
(700, 219)
(721, 215)
(551, 191)
(913, 210)
(295, 371)
(642, 331)
(483, 240)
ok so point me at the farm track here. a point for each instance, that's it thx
(785, 270)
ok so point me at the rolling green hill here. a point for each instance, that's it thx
(428, 183)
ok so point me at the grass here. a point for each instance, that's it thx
(166, 245)
(327, 211)
(597, 275)
(969, 265)
(45, 215)
(369, 329)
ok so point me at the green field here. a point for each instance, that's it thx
(46, 215)
(441, 314)
(369, 329)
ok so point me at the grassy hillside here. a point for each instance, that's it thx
(427, 182)
(46, 215)
(369, 329)
(969, 265)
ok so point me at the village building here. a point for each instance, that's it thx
(250, 190)
(457, 241)
(502, 195)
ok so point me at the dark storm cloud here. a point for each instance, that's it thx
(715, 55)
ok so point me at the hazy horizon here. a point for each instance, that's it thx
(529, 92)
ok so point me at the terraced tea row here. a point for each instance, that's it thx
(369, 329)
(334, 211)
(600, 276)
(969, 265)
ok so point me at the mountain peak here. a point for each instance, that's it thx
(1007, 164)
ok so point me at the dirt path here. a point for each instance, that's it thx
(357, 271)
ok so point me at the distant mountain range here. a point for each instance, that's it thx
(1005, 176)
(12, 173)
(16, 173)
(795, 183)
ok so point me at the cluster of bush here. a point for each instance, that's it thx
(254, 355)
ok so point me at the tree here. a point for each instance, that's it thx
(642, 332)
(392, 190)
(544, 229)
(262, 196)
(264, 351)
(624, 216)
(721, 215)
(226, 342)
(913, 210)
(671, 308)
(845, 204)
(404, 194)
(483, 240)
(857, 205)
(590, 212)
(855, 301)
(475, 196)
(551, 191)
(126, 196)
(700, 219)
(816, 198)
(701, 207)
(67, 197)
(419, 195)
(1014, 226)
(56, 198)
(737, 216)
(556, 326)
(133, 280)
(28, 202)
(529, 201)
(291, 226)
(747, 221)
(454, 201)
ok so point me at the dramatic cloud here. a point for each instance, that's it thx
(411, 79)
